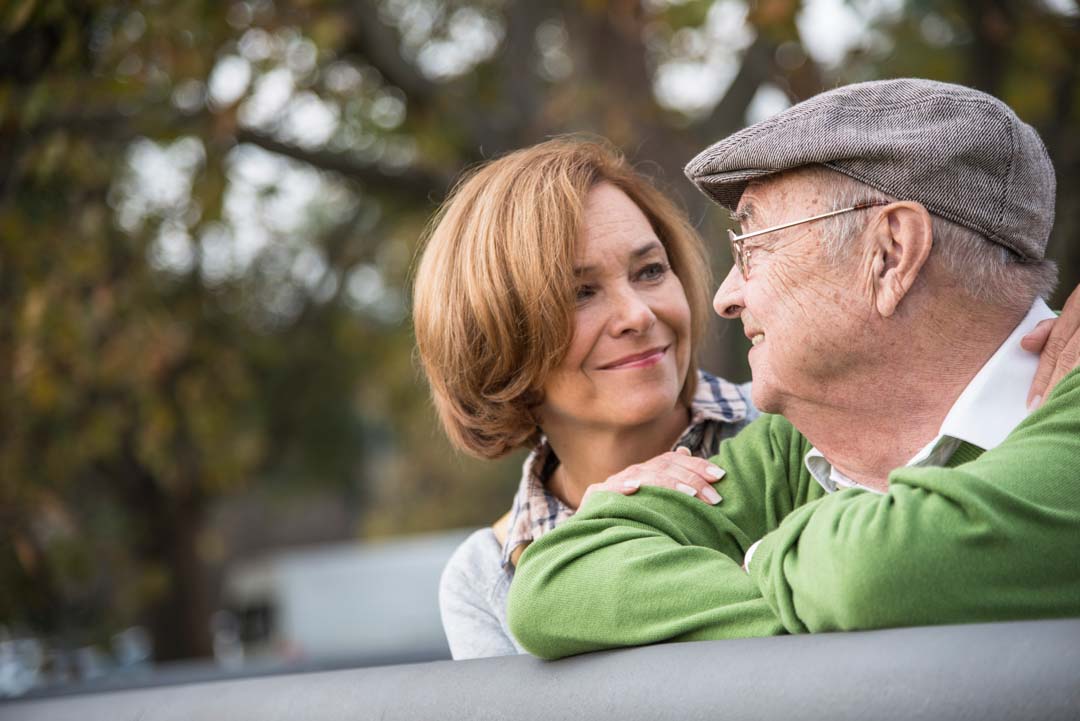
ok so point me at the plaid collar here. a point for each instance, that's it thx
(536, 511)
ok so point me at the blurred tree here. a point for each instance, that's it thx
(208, 211)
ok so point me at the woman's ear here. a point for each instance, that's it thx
(902, 239)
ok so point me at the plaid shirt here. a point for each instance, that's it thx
(719, 410)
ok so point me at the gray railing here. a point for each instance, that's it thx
(983, 672)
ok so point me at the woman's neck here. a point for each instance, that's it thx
(591, 454)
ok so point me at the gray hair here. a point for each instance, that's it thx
(987, 272)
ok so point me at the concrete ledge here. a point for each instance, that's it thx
(982, 672)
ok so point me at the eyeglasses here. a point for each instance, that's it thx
(741, 253)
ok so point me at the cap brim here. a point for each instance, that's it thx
(727, 188)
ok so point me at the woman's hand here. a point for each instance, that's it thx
(1058, 343)
(676, 470)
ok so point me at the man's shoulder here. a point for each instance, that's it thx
(767, 452)
(1059, 415)
(1066, 391)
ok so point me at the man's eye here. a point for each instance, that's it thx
(653, 271)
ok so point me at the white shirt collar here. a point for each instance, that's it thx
(991, 405)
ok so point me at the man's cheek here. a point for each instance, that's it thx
(795, 293)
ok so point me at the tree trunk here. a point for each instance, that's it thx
(179, 617)
(180, 621)
(991, 24)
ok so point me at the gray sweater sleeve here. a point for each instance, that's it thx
(472, 599)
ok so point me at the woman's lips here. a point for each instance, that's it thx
(638, 360)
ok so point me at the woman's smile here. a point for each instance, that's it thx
(645, 359)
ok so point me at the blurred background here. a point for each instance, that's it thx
(216, 451)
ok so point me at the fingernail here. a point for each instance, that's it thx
(683, 450)
(711, 495)
(1034, 403)
(683, 488)
(631, 484)
(715, 472)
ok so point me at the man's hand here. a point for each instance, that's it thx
(1058, 342)
(678, 471)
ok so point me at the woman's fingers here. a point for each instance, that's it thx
(702, 467)
(677, 471)
(1059, 349)
(692, 481)
(1034, 341)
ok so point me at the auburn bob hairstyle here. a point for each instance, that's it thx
(494, 292)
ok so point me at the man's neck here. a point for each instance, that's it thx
(591, 454)
(865, 435)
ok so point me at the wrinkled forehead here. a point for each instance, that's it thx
(767, 199)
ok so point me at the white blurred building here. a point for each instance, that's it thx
(368, 600)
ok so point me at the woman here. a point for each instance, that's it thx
(558, 306)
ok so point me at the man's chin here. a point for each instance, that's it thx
(765, 397)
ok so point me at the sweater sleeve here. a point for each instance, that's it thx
(471, 597)
(993, 539)
(658, 565)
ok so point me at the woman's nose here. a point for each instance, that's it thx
(632, 314)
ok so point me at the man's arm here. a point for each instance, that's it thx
(993, 539)
(660, 565)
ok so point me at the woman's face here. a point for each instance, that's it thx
(630, 349)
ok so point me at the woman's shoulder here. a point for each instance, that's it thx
(476, 560)
(719, 400)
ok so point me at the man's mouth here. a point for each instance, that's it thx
(757, 338)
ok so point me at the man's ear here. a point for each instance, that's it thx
(901, 242)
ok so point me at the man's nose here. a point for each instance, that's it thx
(728, 302)
(631, 314)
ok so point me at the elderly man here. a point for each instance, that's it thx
(892, 256)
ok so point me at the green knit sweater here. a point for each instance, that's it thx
(992, 537)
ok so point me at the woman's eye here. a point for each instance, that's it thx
(653, 271)
(584, 292)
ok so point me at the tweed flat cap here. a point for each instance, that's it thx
(962, 153)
